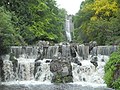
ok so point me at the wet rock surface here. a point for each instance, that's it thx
(75, 60)
(1, 71)
(62, 71)
(94, 61)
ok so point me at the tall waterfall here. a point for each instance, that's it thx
(68, 27)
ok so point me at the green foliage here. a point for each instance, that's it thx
(110, 69)
(58, 78)
(116, 84)
(98, 20)
(36, 19)
(8, 36)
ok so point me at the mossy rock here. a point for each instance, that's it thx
(58, 78)
(62, 71)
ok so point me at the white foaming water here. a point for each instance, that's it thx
(88, 73)
(25, 71)
(48, 83)
(32, 82)
(8, 71)
(85, 75)
(43, 73)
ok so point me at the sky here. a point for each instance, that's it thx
(71, 6)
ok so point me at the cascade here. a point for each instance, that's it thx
(27, 66)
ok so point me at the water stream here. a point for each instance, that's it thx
(68, 28)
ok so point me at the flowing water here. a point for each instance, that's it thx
(68, 27)
(30, 72)
(88, 73)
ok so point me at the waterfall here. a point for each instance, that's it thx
(27, 71)
(68, 33)
(88, 73)
(43, 73)
(8, 71)
(28, 68)
(68, 27)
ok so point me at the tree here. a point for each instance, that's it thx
(36, 19)
(8, 36)
(98, 20)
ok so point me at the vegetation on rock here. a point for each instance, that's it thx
(112, 71)
(62, 79)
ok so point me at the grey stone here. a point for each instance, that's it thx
(62, 71)
(94, 61)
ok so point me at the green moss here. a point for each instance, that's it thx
(68, 79)
(58, 78)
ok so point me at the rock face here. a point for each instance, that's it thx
(103, 50)
(62, 71)
(1, 71)
(73, 49)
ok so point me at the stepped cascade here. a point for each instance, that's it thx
(42, 63)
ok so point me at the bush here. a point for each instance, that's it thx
(111, 70)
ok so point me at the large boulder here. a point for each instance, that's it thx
(62, 71)
(94, 61)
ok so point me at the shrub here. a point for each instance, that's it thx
(111, 70)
